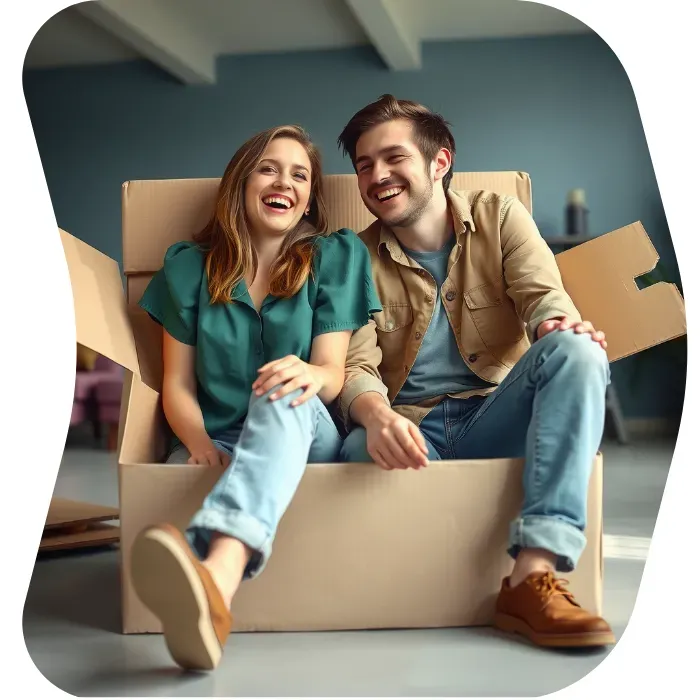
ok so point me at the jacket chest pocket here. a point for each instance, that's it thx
(494, 314)
(394, 325)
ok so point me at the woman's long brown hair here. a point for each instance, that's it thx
(230, 255)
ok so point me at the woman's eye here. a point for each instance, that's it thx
(301, 175)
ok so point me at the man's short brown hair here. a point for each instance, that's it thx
(431, 131)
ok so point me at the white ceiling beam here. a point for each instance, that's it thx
(155, 31)
(382, 24)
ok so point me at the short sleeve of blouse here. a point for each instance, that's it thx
(346, 295)
(172, 296)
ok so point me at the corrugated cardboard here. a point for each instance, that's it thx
(358, 547)
(97, 535)
(65, 513)
(74, 524)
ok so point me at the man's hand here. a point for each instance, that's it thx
(563, 324)
(394, 442)
(294, 374)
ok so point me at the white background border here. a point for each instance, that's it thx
(658, 47)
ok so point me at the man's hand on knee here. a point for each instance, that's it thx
(563, 324)
(394, 442)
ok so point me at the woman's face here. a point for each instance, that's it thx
(278, 190)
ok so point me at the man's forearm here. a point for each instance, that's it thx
(367, 406)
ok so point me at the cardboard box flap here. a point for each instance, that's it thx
(101, 320)
(158, 213)
(600, 277)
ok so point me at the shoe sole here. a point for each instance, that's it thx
(513, 625)
(168, 584)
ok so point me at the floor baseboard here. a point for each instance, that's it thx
(652, 427)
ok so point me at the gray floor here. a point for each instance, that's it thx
(71, 619)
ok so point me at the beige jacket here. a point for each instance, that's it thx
(503, 281)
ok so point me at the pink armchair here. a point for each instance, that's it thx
(108, 394)
(93, 400)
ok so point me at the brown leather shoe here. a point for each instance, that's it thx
(544, 611)
(174, 585)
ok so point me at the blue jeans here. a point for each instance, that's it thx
(269, 453)
(550, 410)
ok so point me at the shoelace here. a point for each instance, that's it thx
(548, 586)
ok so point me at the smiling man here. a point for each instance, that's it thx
(477, 353)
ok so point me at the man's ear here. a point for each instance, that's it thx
(443, 163)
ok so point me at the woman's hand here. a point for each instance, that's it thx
(180, 405)
(293, 374)
(207, 454)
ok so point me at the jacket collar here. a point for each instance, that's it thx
(458, 203)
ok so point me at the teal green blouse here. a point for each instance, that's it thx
(233, 340)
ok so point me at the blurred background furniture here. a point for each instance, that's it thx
(97, 396)
(108, 396)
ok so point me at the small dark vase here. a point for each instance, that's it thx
(576, 214)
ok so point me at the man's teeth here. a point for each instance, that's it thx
(389, 193)
(277, 200)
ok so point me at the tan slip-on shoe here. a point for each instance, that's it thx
(543, 610)
(180, 591)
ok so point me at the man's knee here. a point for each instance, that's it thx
(580, 350)
(354, 447)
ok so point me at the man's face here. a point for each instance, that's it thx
(395, 182)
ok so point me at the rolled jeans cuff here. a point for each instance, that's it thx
(557, 536)
(236, 524)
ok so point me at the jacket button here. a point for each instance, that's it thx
(418, 334)
(450, 295)
(473, 358)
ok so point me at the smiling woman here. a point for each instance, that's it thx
(257, 313)
(279, 165)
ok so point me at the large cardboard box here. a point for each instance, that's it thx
(359, 548)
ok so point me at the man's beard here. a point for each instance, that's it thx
(418, 202)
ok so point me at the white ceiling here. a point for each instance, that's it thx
(185, 37)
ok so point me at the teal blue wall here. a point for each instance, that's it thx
(561, 109)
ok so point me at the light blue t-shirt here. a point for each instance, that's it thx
(439, 368)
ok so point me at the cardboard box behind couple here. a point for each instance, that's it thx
(359, 547)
